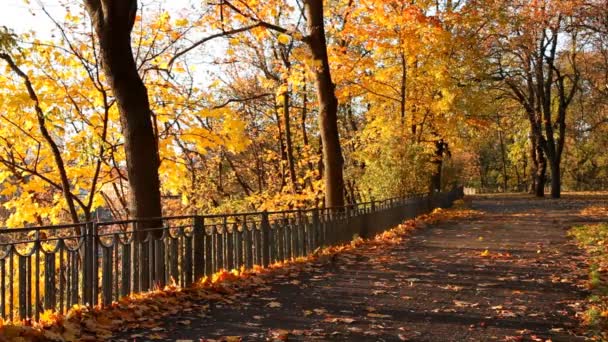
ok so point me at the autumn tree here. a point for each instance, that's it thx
(328, 104)
(540, 75)
(113, 22)
(255, 16)
(56, 155)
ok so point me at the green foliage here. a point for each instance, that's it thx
(394, 167)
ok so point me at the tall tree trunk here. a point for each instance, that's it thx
(524, 176)
(440, 147)
(303, 116)
(289, 144)
(533, 166)
(328, 105)
(304, 113)
(540, 176)
(113, 22)
(402, 104)
(505, 176)
(555, 179)
(282, 147)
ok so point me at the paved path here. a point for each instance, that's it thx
(510, 273)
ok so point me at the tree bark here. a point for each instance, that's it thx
(113, 22)
(440, 149)
(534, 166)
(540, 174)
(288, 140)
(304, 113)
(555, 179)
(328, 105)
(282, 147)
(403, 90)
(505, 175)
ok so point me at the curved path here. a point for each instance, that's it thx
(507, 274)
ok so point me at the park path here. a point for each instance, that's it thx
(509, 273)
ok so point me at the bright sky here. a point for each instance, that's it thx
(20, 17)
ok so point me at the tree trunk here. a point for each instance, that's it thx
(402, 104)
(113, 22)
(440, 147)
(541, 172)
(328, 106)
(555, 179)
(304, 113)
(281, 147)
(289, 144)
(303, 116)
(524, 176)
(505, 176)
(533, 168)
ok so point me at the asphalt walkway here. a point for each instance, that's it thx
(508, 273)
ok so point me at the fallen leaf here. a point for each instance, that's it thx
(460, 304)
(274, 305)
(279, 334)
(319, 311)
(375, 315)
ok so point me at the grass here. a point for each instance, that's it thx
(594, 240)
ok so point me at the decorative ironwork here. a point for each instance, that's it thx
(56, 267)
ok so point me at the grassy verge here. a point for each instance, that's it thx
(594, 240)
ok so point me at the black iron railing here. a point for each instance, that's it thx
(56, 267)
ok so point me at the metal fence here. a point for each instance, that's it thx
(56, 267)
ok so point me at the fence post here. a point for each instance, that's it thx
(304, 234)
(143, 257)
(159, 263)
(199, 248)
(93, 265)
(107, 261)
(49, 283)
(88, 263)
(248, 244)
(22, 287)
(264, 230)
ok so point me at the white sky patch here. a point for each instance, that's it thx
(21, 17)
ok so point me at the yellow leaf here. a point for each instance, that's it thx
(375, 315)
(182, 22)
(284, 39)
(233, 338)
